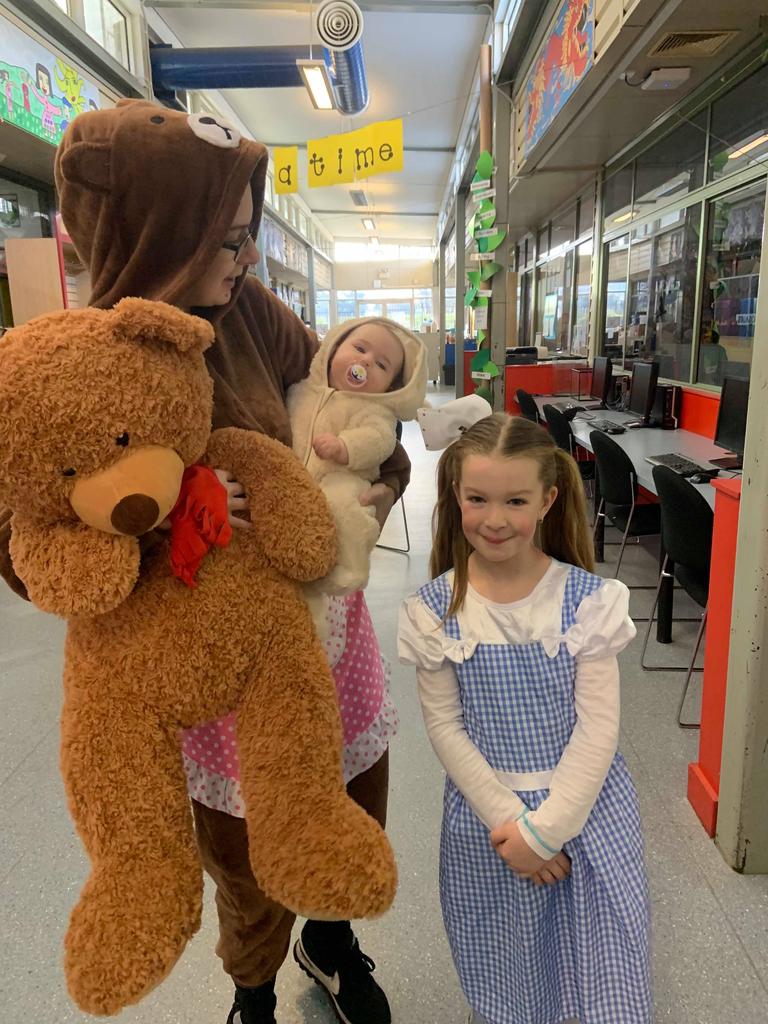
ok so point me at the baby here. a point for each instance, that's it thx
(366, 375)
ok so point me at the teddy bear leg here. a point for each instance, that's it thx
(142, 901)
(313, 849)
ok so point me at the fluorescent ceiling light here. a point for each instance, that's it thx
(759, 141)
(374, 241)
(368, 224)
(625, 216)
(315, 75)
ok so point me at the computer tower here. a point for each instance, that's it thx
(666, 407)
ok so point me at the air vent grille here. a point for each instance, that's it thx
(691, 44)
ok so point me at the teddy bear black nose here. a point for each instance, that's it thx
(135, 514)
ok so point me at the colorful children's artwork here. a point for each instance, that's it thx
(565, 57)
(39, 92)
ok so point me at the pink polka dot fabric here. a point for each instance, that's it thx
(369, 719)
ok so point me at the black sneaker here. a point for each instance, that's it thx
(329, 953)
(254, 1005)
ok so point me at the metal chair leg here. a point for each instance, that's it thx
(407, 548)
(624, 539)
(661, 668)
(691, 670)
(600, 515)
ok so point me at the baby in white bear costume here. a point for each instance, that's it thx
(366, 375)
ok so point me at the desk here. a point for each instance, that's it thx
(638, 444)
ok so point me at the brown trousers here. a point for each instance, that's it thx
(255, 932)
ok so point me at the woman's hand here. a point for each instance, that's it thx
(508, 842)
(382, 498)
(236, 499)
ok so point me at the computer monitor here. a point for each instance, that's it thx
(602, 376)
(732, 422)
(643, 390)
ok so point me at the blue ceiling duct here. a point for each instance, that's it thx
(339, 26)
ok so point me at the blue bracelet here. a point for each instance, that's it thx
(536, 835)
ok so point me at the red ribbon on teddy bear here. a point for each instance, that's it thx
(199, 521)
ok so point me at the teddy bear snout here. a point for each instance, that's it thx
(133, 494)
(135, 514)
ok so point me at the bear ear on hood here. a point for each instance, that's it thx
(141, 320)
(87, 164)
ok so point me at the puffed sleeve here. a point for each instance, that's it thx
(603, 627)
(419, 636)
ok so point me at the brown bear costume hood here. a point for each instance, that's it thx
(141, 224)
(148, 195)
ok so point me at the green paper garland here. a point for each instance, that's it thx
(483, 218)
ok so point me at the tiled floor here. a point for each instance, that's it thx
(710, 925)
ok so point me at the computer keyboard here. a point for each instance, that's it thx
(607, 426)
(678, 463)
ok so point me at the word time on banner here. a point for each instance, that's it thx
(340, 159)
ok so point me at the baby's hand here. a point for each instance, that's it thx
(331, 448)
(512, 848)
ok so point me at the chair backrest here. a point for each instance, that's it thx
(559, 428)
(686, 521)
(615, 472)
(528, 407)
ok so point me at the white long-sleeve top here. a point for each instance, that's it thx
(601, 630)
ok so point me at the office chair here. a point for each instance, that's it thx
(401, 499)
(686, 525)
(618, 495)
(562, 434)
(528, 406)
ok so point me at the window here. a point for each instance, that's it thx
(554, 282)
(731, 275)
(580, 331)
(672, 167)
(617, 263)
(617, 199)
(563, 228)
(739, 127)
(543, 242)
(671, 295)
(422, 308)
(322, 312)
(587, 212)
(108, 25)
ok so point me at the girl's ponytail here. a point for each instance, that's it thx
(564, 532)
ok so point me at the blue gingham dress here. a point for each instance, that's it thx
(550, 954)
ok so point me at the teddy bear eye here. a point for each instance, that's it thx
(68, 472)
(123, 440)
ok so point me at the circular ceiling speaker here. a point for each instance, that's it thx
(339, 24)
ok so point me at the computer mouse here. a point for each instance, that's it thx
(701, 478)
(614, 430)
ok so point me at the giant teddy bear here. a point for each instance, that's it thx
(100, 413)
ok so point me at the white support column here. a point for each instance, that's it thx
(742, 821)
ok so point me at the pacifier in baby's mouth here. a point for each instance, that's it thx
(357, 375)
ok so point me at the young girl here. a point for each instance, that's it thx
(542, 881)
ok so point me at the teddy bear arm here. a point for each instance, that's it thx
(290, 517)
(72, 569)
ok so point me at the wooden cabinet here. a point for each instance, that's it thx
(34, 277)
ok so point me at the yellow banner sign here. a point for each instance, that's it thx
(286, 160)
(340, 159)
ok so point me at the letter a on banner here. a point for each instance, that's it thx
(286, 160)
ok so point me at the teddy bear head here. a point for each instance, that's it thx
(100, 413)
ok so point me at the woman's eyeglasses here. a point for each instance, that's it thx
(239, 247)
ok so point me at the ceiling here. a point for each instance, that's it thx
(420, 66)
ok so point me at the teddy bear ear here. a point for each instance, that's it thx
(87, 164)
(141, 320)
